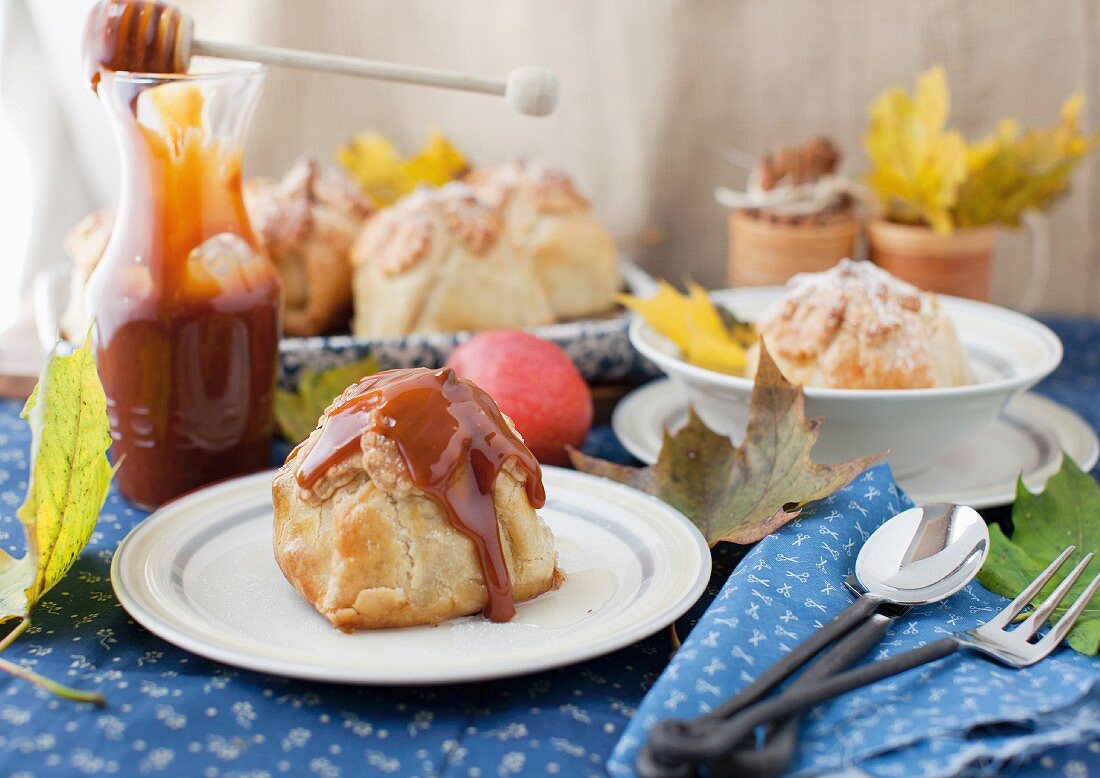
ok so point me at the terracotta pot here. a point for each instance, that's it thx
(763, 253)
(959, 264)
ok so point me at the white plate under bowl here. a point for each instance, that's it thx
(1008, 352)
(979, 471)
(200, 573)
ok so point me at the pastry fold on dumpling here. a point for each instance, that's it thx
(574, 255)
(413, 502)
(855, 326)
(438, 260)
(307, 222)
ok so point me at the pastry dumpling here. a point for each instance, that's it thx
(84, 244)
(438, 260)
(412, 502)
(574, 255)
(308, 222)
(855, 326)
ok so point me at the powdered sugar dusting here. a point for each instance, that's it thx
(856, 326)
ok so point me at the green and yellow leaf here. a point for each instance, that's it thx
(1010, 172)
(297, 412)
(68, 482)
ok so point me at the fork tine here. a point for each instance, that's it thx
(1042, 612)
(1051, 640)
(1002, 619)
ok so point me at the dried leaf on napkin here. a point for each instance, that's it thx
(297, 412)
(67, 486)
(1066, 512)
(740, 493)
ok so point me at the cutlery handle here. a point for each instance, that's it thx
(673, 733)
(779, 747)
(713, 744)
(843, 623)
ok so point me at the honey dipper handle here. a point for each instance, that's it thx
(529, 90)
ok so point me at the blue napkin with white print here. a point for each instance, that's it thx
(940, 719)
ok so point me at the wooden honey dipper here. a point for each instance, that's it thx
(151, 37)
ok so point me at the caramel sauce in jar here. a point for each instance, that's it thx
(454, 442)
(187, 306)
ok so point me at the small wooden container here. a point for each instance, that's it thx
(765, 253)
(959, 264)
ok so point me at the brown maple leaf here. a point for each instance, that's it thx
(740, 493)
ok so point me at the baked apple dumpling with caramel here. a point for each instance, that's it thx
(412, 502)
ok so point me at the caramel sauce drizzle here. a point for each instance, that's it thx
(454, 442)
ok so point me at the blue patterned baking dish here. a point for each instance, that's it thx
(600, 348)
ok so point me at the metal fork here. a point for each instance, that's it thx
(718, 746)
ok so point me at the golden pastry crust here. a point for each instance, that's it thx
(438, 260)
(574, 255)
(307, 222)
(85, 245)
(370, 550)
(857, 327)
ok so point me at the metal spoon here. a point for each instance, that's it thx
(920, 556)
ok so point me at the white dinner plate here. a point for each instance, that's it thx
(200, 573)
(980, 471)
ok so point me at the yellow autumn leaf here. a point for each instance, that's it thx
(437, 163)
(1010, 171)
(67, 486)
(386, 176)
(718, 354)
(695, 325)
(917, 165)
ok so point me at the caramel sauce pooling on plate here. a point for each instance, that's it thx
(454, 442)
(143, 37)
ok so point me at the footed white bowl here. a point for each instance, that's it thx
(1009, 353)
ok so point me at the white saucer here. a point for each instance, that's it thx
(200, 573)
(981, 471)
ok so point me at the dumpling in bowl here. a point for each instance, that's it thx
(542, 211)
(438, 260)
(855, 326)
(411, 503)
(308, 222)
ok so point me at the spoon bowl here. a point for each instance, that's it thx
(924, 554)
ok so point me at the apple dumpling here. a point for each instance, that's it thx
(439, 260)
(412, 502)
(855, 326)
(308, 222)
(542, 212)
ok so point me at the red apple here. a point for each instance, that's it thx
(535, 383)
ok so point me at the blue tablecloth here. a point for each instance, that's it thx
(172, 713)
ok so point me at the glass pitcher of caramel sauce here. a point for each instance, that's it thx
(186, 303)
